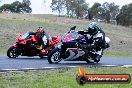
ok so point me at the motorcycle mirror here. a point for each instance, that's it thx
(73, 28)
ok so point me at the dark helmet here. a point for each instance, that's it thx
(40, 32)
(93, 28)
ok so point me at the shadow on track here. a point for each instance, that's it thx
(28, 58)
(60, 64)
(76, 63)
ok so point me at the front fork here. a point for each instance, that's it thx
(62, 52)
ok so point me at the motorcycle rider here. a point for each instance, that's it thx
(96, 40)
(44, 39)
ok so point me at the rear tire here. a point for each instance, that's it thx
(54, 56)
(88, 61)
(12, 52)
(53, 47)
(41, 56)
(97, 59)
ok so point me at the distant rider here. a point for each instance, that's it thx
(44, 39)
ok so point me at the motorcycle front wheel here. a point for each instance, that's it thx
(12, 52)
(54, 56)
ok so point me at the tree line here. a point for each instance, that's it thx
(106, 12)
(17, 7)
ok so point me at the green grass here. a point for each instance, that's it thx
(3, 51)
(11, 24)
(117, 55)
(62, 78)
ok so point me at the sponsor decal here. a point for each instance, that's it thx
(83, 78)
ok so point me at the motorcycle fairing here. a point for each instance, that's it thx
(74, 54)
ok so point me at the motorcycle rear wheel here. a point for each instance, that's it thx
(88, 60)
(97, 59)
(42, 56)
(12, 52)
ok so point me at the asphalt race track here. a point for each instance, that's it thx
(36, 62)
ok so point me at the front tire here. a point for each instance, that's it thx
(12, 52)
(54, 56)
(41, 56)
(53, 47)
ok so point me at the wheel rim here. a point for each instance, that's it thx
(89, 60)
(56, 57)
(97, 59)
(13, 53)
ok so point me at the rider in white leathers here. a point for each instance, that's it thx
(96, 39)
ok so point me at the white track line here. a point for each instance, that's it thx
(109, 65)
(127, 66)
(48, 68)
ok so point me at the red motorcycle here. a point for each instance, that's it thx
(26, 45)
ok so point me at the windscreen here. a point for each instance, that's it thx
(74, 35)
(25, 36)
(70, 36)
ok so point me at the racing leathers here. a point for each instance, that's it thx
(96, 42)
(44, 41)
